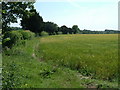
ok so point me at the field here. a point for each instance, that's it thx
(96, 54)
(74, 61)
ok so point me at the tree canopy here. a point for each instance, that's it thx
(13, 10)
(75, 29)
(34, 22)
(51, 28)
(64, 29)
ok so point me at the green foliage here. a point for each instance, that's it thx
(64, 29)
(47, 71)
(27, 35)
(43, 33)
(75, 29)
(51, 28)
(33, 22)
(12, 38)
(10, 77)
(0, 40)
(0, 16)
(12, 10)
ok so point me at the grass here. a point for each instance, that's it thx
(95, 55)
(62, 61)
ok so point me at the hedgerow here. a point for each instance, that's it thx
(17, 37)
(27, 35)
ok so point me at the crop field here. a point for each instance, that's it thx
(94, 55)
(63, 61)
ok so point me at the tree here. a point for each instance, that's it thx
(51, 28)
(75, 29)
(70, 30)
(85, 31)
(34, 22)
(64, 29)
(13, 10)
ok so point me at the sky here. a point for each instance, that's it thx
(87, 14)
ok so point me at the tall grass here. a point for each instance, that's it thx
(93, 55)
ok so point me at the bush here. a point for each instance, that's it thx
(27, 35)
(43, 33)
(11, 38)
(18, 37)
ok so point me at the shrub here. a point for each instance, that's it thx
(18, 37)
(27, 35)
(43, 33)
(11, 38)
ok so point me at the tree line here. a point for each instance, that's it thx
(31, 20)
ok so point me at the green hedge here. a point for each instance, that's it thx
(17, 37)
(43, 33)
(27, 35)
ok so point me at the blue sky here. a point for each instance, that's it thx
(92, 14)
